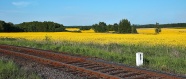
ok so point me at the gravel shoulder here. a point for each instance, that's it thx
(45, 72)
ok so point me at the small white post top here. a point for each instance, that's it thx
(139, 58)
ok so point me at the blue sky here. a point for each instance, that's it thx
(88, 12)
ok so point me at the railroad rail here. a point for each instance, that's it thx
(81, 66)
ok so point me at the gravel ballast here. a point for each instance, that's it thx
(45, 72)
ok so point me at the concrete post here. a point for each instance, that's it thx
(139, 58)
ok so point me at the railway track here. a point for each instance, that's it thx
(83, 67)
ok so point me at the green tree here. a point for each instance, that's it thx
(95, 27)
(110, 27)
(157, 28)
(115, 27)
(45, 26)
(8, 27)
(101, 27)
(134, 30)
(2, 25)
(85, 27)
(59, 28)
(124, 26)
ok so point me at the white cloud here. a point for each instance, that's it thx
(21, 4)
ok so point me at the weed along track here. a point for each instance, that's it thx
(91, 69)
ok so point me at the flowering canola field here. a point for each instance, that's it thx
(170, 37)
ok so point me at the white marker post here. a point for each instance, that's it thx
(139, 58)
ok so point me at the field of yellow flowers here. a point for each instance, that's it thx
(147, 36)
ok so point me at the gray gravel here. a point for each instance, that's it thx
(43, 71)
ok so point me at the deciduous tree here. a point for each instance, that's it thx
(124, 26)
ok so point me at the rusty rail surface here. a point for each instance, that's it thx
(83, 67)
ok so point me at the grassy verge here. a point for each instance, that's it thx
(159, 57)
(9, 70)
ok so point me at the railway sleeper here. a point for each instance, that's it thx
(108, 70)
(140, 76)
(128, 74)
(79, 63)
(117, 72)
(99, 68)
(92, 66)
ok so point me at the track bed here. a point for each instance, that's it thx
(90, 69)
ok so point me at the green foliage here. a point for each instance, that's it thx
(60, 29)
(85, 27)
(9, 39)
(45, 26)
(110, 27)
(9, 70)
(115, 27)
(157, 28)
(101, 27)
(173, 25)
(2, 24)
(133, 29)
(124, 26)
(8, 27)
(34, 26)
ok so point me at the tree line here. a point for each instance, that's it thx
(87, 27)
(8, 27)
(45, 26)
(34, 26)
(124, 26)
(173, 25)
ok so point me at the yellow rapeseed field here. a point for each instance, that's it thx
(170, 37)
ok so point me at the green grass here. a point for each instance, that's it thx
(9, 70)
(159, 57)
